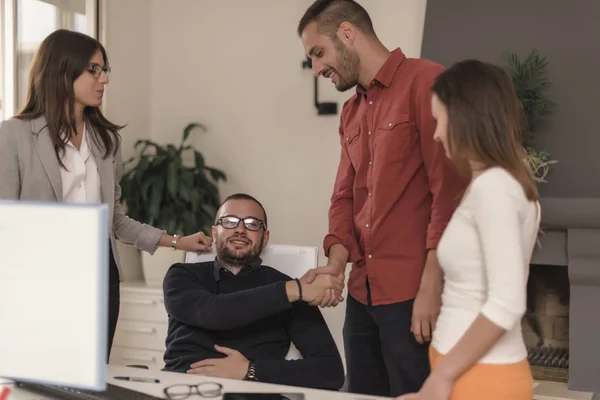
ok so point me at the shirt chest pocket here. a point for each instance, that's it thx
(395, 138)
(353, 146)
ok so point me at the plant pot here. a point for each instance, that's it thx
(156, 266)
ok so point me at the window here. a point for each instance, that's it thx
(23, 25)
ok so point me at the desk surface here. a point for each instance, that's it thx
(170, 378)
(545, 391)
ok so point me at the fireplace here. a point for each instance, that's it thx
(546, 323)
(562, 324)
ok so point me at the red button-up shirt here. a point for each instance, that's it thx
(395, 189)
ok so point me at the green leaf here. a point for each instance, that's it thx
(217, 174)
(158, 189)
(185, 193)
(145, 144)
(188, 129)
(156, 198)
(145, 189)
(173, 178)
(531, 83)
(199, 159)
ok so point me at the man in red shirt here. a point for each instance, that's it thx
(393, 196)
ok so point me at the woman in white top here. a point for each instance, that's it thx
(60, 148)
(477, 350)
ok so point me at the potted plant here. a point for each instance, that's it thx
(170, 187)
(530, 80)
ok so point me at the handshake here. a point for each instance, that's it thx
(321, 286)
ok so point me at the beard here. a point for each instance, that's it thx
(348, 67)
(237, 258)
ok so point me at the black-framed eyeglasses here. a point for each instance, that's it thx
(205, 389)
(96, 70)
(232, 222)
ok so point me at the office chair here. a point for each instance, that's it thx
(294, 261)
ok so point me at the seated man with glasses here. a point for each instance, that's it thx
(235, 318)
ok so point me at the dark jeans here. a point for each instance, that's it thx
(113, 300)
(382, 356)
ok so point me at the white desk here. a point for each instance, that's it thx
(545, 391)
(170, 378)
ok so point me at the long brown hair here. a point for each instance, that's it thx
(61, 58)
(484, 120)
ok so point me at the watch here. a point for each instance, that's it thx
(251, 374)
(174, 242)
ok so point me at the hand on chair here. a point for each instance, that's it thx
(197, 242)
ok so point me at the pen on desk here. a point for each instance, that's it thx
(134, 379)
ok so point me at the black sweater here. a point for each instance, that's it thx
(248, 312)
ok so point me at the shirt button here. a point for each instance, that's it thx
(369, 132)
(370, 256)
(369, 193)
(347, 139)
(371, 102)
(390, 124)
(367, 225)
(370, 162)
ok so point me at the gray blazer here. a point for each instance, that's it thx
(29, 170)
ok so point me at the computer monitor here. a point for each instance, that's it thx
(53, 293)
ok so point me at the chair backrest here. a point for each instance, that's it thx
(294, 261)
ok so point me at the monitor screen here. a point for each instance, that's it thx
(53, 293)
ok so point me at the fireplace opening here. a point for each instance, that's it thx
(546, 322)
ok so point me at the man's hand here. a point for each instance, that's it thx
(315, 291)
(336, 266)
(428, 301)
(331, 298)
(234, 366)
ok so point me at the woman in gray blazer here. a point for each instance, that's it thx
(61, 148)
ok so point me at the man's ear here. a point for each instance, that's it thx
(266, 236)
(346, 33)
(214, 234)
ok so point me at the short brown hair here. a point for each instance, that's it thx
(243, 196)
(484, 119)
(329, 15)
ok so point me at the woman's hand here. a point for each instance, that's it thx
(197, 242)
(436, 387)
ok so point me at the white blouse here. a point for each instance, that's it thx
(485, 253)
(80, 179)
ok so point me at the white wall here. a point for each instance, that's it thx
(126, 37)
(235, 65)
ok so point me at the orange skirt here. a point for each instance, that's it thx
(491, 381)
